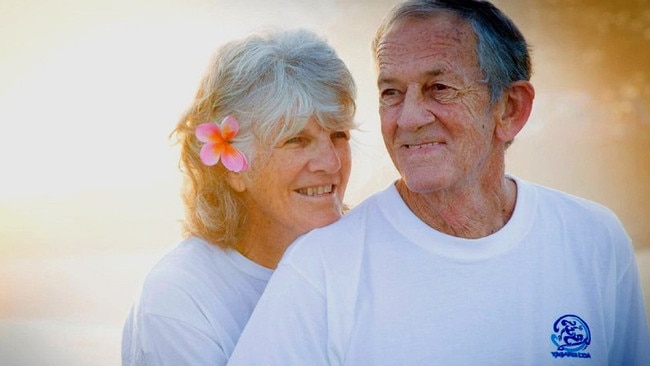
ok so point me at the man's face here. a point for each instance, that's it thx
(435, 110)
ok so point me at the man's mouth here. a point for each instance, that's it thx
(422, 146)
(316, 191)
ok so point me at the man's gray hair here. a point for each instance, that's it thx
(502, 51)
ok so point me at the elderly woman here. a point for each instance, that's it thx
(265, 156)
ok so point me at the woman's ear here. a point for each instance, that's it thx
(236, 181)
(518, 104)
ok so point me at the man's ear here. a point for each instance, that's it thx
(518, 104)
(236, 181)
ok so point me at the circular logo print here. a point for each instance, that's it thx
(571, 334)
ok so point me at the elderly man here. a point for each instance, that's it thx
(457, 262)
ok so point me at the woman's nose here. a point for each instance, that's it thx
(326, 157)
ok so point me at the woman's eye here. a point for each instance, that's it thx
(295, 140)
(341, 135)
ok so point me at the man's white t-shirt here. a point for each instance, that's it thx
(193, 306)
(557, 285)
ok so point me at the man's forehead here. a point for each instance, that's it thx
(443, 24)
(413, 36)
(433, 46)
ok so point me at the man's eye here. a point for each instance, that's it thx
(439, 87)
(391, 96)
(388, 92)
(443, 93)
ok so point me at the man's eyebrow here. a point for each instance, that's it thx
(435, 72)
(430, 73)
(384, 80)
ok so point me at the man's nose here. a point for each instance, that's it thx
(416, 111)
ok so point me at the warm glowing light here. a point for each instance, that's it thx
(90, 90)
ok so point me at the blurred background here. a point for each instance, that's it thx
(90, 89)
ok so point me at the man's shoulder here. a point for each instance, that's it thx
(344, 237)
(564, 200)
(581, 212)
(356, 220)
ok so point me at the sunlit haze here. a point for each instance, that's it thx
(91, 89)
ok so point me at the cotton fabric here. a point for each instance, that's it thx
(557, 285)
(193, 306)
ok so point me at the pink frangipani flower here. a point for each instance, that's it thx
(217, 144)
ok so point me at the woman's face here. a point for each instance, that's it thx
(300, 185)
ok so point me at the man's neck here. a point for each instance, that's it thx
(473, 212)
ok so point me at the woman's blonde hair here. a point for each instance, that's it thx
(273, 83)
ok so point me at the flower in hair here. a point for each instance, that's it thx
(217, 145)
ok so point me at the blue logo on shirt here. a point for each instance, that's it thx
(571, 335)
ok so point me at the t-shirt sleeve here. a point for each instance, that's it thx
(167, 326)
(160, 340)
(631, 341)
